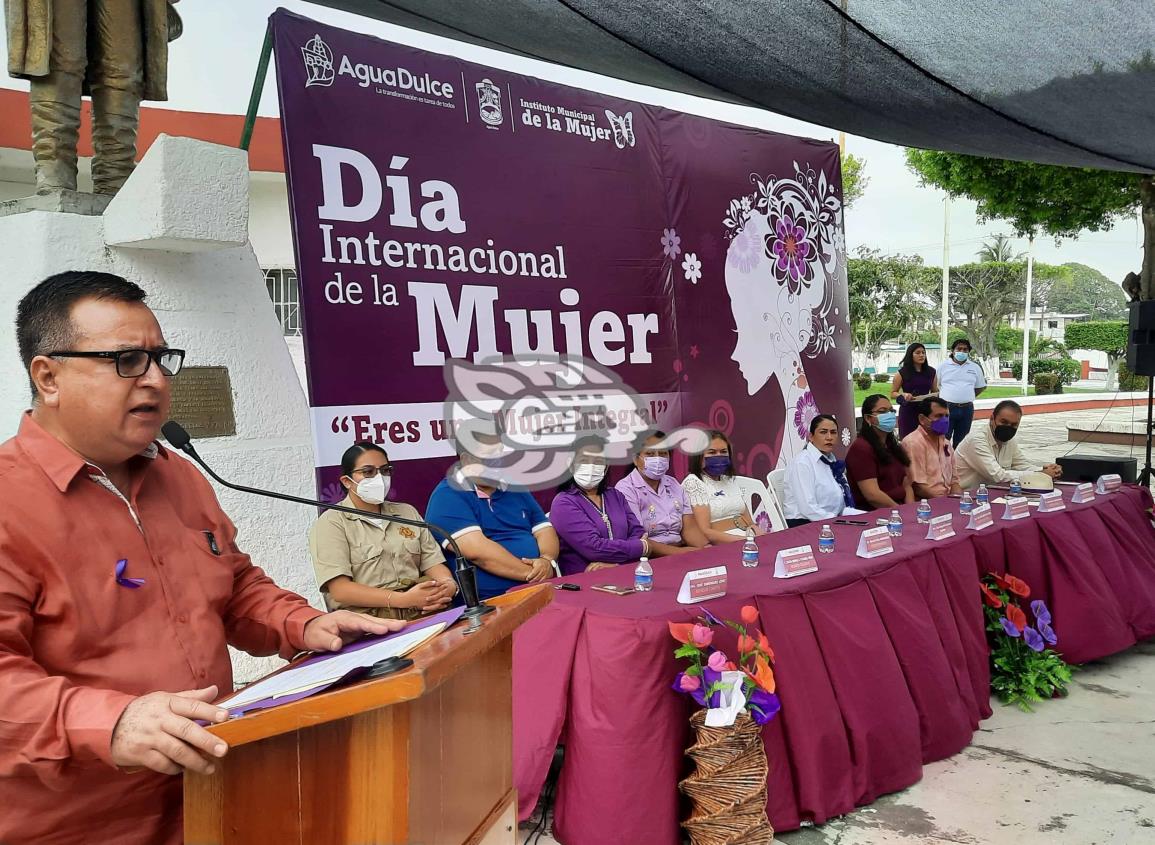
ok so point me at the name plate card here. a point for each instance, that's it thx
(1052, 501)
(940, 527)
(796, 561)
(1017, 508)
(875, 542)
(1108, 483)
(702, 584)
(981, 517)
(1084, 493)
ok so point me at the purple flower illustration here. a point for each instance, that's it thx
(791, 249)
(333, 493)
(1033, 639)
(1009, 627)
(804, 412)
(671, 241)
(743, 254)
(1042, 615)
(1048, 633)
(764, 706)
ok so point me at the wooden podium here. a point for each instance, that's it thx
(422, 757)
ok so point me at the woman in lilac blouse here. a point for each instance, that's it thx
(596, 527)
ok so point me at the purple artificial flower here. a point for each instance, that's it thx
(709, 678)
(1042, 615)
(763, 705)
(1048, 633)
(711, 618)
(1009, 627)
(1033, 639)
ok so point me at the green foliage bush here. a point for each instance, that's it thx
(862, 381)
(1068, 369)
(1129, 381)
(881, 378)
(1108, 336)
(1047, 383)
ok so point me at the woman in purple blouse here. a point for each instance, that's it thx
(594, 522)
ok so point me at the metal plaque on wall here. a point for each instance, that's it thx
(202, 401)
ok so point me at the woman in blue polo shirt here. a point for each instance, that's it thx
(504, 532)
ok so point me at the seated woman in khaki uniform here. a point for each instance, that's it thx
(373, 566)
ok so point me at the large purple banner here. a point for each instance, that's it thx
(446, 211)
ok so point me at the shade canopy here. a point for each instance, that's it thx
(1055, 81)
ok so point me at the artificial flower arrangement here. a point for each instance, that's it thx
(1024, 669)
(723, 686)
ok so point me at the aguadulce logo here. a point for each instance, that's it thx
(489, 103)
(318, 62)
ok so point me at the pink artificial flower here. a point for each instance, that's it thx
(689, 683)
(717, 661)
(701, 636)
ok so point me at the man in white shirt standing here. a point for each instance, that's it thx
(990, 455)
(960, 381)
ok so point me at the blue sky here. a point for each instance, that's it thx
(212, 65)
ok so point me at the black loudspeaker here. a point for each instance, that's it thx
(1141, 338)
(1090, 467)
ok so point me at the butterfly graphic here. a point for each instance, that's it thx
(623, 129)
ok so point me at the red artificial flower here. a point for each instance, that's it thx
(681, 631)
(1012, 584)
(746, 644)
(989, 597)
(749, 614)
(764, 644)
(1016, 616)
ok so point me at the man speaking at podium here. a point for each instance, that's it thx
(120, 583)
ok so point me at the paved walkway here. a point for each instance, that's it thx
(1043, 437)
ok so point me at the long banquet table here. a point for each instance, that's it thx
(881, 663)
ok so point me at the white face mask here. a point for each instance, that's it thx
(589, 476)
(372, 491)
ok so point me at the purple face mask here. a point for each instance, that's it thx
(941, 425)
(717, 465)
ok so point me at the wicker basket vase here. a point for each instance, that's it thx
(728, 786)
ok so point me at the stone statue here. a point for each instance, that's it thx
(114, 50)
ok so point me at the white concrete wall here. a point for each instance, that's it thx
(213, 304)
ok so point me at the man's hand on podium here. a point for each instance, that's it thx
(158, 731)
(333, 630)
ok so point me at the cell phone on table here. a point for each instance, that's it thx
(851, 522)
(612, 588)
(567, 586)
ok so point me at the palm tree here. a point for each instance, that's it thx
(999, 249)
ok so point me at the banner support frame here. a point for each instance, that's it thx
(258, 89)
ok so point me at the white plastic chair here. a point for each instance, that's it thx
(768, 501)
(777, 481)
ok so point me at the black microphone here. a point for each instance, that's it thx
(176, 435)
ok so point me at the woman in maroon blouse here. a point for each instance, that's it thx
(876, 464)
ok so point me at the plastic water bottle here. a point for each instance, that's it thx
(982, 495)
(826, 541)
(1016, 487)
(924, 512)
(750, 550)
(966, 505)
(643, 576)
(895, 524)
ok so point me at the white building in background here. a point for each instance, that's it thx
(1047, 323)
(269, 230)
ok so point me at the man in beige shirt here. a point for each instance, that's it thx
(989, 455)
(932, 461)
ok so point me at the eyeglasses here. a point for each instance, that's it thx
(373, 472)
(134, 363)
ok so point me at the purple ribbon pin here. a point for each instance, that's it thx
(131, 583)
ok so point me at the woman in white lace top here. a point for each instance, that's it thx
(717, 501)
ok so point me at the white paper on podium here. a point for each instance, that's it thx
(329, 671)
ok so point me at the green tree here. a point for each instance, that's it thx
(1000, 249)
(888, 295)
(1087, 291)
(854, 179)
(1042, 198)
(1108, 336)
(984, 295)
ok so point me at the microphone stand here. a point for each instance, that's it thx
(466, 574)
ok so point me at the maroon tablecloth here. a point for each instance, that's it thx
(881, 664)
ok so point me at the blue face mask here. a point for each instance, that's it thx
(961, 356)
(887, 421)
(717, 465)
